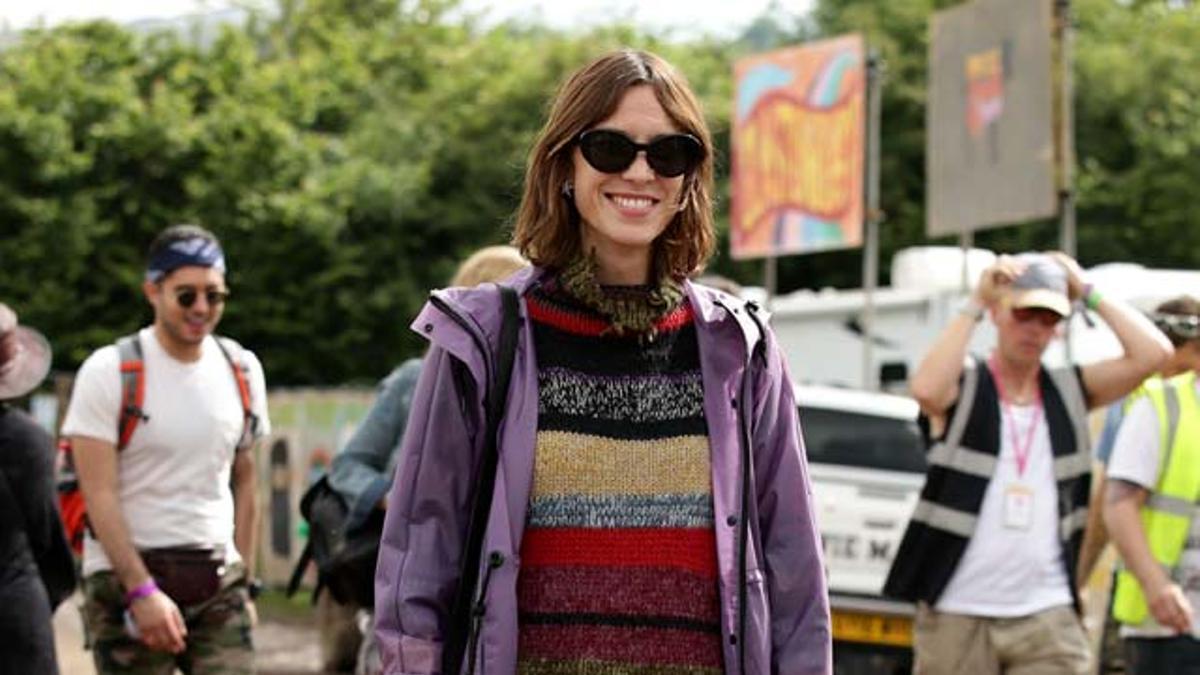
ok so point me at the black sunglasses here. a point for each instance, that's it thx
(187, 297)
(610, 151)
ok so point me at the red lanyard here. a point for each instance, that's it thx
(1021, 450)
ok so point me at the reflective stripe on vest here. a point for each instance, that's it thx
(950, 453)
(1167, 513)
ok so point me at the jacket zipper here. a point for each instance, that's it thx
(744, 529)
(495, 560)
(744, 533)
(758, 350)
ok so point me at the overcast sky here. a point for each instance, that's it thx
(715, 16)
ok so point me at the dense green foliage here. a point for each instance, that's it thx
(349, 152)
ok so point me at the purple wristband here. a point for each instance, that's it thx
(145, 590)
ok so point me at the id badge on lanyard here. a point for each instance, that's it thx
(1018, 498)
(1018, 507)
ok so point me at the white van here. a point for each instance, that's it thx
(867, 465)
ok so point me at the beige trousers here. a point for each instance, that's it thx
(1051, 642)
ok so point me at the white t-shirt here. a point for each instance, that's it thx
(173, 477)
(1012, 571)
(1136, 458)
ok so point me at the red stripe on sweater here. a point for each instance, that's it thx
(580, 324)
(693, 549)
(638, 591)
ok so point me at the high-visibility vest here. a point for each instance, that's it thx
(1169, 509)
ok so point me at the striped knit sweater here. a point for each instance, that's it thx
(618, 560)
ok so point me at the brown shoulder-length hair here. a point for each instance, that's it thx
(547, 229)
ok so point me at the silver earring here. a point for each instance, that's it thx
(568, 190)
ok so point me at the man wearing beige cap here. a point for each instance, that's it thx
(36, 570)
(990, 553)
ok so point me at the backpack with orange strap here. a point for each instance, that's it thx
(133, 389)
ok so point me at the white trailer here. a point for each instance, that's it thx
(822, 332)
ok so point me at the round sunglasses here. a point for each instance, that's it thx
(610, 151)
(186, 297)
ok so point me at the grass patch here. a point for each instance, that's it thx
(274, 605)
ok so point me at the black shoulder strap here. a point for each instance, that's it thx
(463, 610)
(298, 571)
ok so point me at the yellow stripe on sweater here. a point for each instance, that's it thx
(580, 464)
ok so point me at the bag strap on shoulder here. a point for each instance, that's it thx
(235, 355)
(133, 388)
(465, 606)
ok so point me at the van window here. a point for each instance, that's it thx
(867, 441)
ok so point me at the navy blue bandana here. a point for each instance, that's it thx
(194, 252)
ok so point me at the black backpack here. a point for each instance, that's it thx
(345, 559)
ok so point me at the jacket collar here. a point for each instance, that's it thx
(709, 304)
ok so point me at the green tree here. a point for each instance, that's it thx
(349, 154)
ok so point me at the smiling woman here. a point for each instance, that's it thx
(594, 164)
(639, 405)
(625, 208)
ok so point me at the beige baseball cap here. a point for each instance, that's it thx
(1042, 285)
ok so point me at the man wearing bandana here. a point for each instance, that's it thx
(171, 507)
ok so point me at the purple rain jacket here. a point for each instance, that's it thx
(774, 605)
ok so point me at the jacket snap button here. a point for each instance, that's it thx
(733, 402)
(733, 639)
(428, 328)
(731, 521)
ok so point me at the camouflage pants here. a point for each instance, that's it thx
(218, 639)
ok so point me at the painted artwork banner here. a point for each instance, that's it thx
(798, 149)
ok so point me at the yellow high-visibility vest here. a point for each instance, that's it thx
(1169, 509)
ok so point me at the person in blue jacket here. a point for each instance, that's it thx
(362, 470)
